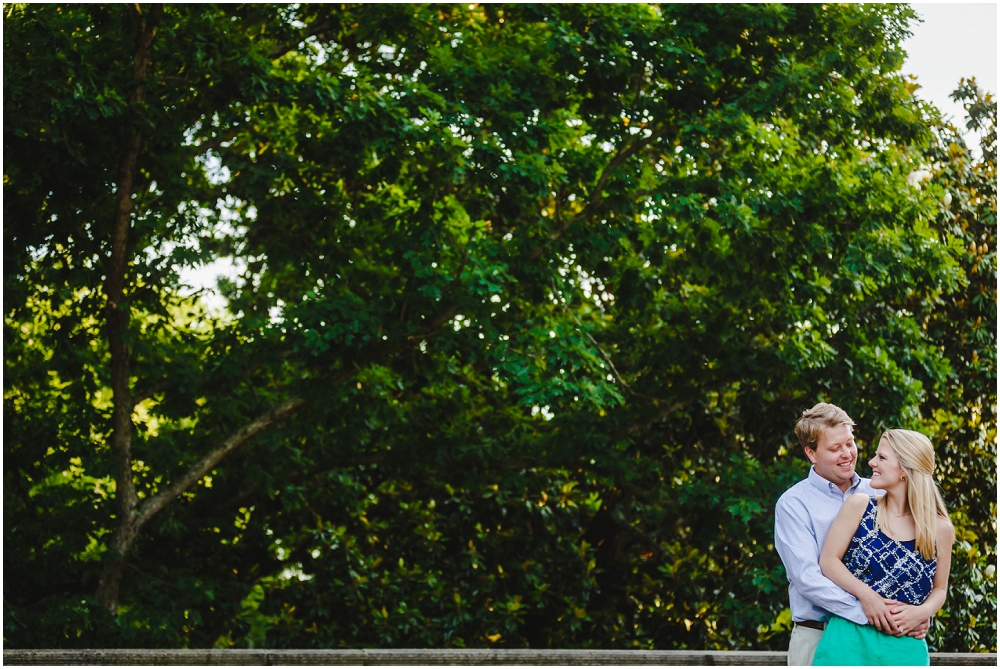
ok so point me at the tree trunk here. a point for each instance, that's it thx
(131, 515)
(117, 316)
(114, 565)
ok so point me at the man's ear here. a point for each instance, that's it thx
(810, 453)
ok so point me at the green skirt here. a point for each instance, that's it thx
(850, 644)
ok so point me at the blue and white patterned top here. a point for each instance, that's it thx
(893, 569)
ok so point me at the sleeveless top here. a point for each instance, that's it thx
(893, 569)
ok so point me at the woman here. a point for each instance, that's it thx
(894, 547)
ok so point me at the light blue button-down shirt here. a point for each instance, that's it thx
(802, 519)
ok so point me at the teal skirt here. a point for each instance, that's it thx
(850, 644)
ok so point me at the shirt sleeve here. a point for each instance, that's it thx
(799, 551)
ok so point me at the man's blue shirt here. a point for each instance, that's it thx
(802, 519)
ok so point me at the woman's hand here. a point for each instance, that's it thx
(910, 620)
(877, 610)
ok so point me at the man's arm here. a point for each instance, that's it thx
(799, 552)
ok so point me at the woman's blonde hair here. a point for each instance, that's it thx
(916, 457)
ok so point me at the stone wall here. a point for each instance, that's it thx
(483, 656)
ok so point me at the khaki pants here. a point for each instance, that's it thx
(802, 646)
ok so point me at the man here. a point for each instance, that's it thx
(802, 519)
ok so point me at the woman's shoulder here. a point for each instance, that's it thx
(855, 506)
(945, 530)
(859, 500)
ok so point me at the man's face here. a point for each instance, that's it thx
(835, 456)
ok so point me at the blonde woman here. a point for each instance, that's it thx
(896, 547)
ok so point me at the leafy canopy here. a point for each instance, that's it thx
(547, 287)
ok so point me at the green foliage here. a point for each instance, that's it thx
(555, 282)
(962, 414)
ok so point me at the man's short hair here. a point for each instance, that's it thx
(821, 417)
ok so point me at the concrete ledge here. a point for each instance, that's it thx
(402, 656)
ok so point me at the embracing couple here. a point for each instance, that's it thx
(867, 559)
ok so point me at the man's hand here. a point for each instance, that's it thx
(920, 631)
(909, 620)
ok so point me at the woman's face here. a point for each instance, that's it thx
(886, 471)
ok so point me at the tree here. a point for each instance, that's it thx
(530, 297)
(962, 414)
(120, 155)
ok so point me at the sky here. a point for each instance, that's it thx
(954, 40)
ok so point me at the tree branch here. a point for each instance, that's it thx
(665, 411)
(206, 382)
(311, 31)
(151, 506)
(597, 196)
(249, 491)
(607, 358)
(436, 323)
(146, 393)
(140, 292)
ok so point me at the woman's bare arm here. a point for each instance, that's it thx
(838, 540)
(908, 617)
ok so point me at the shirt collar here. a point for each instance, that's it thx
(826, 486)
